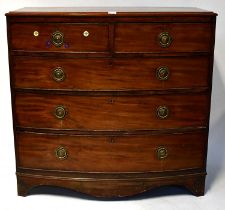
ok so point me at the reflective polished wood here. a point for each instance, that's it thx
(111, 102)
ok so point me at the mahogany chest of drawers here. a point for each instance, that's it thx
(111, 102)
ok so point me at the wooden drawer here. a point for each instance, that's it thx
(23, 37)
(111, 74)
(111, 113)
(111, 154)
(142, 37)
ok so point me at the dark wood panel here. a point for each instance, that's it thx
(103, 175)
(114, 133)
(111, 154)
(111, 188)
(184, 91)
(144, 37)
(111, 112)
(107, 54)
(22, 37)
(112, 19)
(111, 74)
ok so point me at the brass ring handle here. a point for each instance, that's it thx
(165, 39)
(61, 153)
(161, 152)
(58, 74)
(57, 39)
(163, 112)
(60, 112)
(162, 73)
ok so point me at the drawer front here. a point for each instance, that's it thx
(106, 74)
(111, 154)
(60, 37)
(111, 112)
(174, 37)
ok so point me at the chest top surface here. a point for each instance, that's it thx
(107, 11)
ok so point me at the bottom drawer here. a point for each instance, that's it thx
(138, 153)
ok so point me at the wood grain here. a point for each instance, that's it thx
(110, 74)
(111, 94)
(140, 37)
(112, 153)
(111, 188)
(23, 39)
(111, 113)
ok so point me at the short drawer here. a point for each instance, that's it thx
(171, 37)
(152, 153)
(154, 73)
(111, 112)
(60, 37)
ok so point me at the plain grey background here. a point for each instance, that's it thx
(165, 198)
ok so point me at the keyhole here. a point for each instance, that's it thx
(112, 139)
(111, 101)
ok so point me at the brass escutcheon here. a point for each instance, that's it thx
(61, 153)
(165, 39)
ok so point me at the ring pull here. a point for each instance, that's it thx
(162, 112)
(161, 152)
(162, 73)
(60, 112)
(165, 39)
(57, 39)
(61, 153)
(58, 74)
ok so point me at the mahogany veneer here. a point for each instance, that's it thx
(111, 101)
(112, 74)
(111, 112)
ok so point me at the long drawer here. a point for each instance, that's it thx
(154, 153)
(111, 112)
(60, 37)
(171, 37)
(157, 73)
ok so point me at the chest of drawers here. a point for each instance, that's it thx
(111, 102)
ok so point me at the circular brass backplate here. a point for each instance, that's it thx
(165, 39)
(162, 152)
(61, 153)
(60, 112)
(57, 39)
(162, 73)
(162, 112)
(58, 74)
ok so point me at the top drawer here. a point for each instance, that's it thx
(173, 37)
(60, 37)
